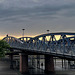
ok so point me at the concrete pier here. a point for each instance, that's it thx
(11, 61)
(49, 64)
(23, 63)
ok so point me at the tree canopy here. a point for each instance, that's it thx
(3, 48)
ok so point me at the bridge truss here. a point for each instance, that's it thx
(57, 43)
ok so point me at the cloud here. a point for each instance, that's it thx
(36, 14)
(42, 11)
(28, 7)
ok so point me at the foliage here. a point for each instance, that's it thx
(3, 48)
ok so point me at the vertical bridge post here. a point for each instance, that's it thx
(11, 59)
(23, 63)
(49, 64)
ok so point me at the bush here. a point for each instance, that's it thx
(3, 48)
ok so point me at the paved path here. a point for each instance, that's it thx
(5, 69)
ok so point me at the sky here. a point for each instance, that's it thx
(36, 16)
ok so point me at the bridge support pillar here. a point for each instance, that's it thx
(49, 64)
(62, 63)
(23, 63)
(38, 61)
(11, 61)
(68, 64)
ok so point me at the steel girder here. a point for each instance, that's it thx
(50, 43)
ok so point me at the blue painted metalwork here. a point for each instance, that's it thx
(50, 43)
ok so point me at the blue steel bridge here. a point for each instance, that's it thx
(51, 44)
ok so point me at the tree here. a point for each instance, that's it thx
(3, 48)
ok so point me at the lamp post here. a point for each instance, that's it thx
(48, 31)
(23, 32)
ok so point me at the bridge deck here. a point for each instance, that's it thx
(45, 44)
(34, 52)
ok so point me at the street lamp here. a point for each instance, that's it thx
(23, 32)
(48, 31)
